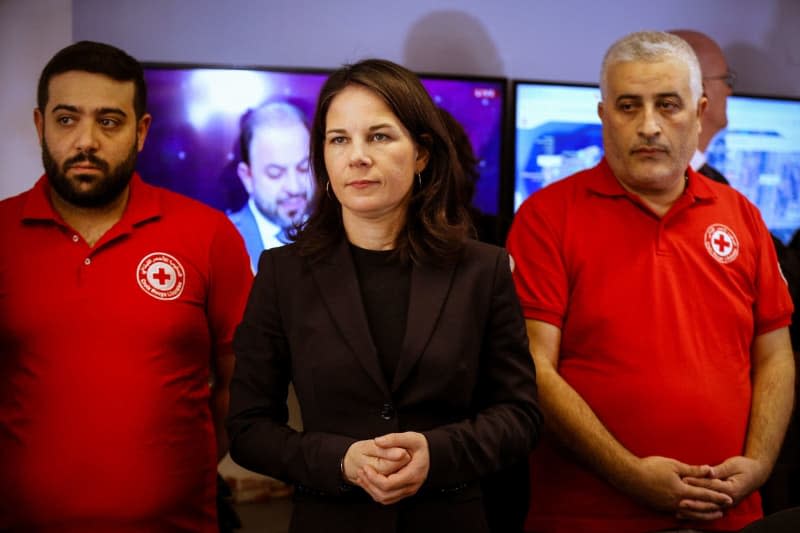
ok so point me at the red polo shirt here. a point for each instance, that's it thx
(104, 363)
(657, 318)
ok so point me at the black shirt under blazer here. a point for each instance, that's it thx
(465, 379)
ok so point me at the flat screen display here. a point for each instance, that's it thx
(556, 133)
(193, 144)
(479, 105)
(759, 154)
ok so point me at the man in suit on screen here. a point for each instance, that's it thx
(275, 173)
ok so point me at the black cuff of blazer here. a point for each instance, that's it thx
(442, 470)
(331, 464)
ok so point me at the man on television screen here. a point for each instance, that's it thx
(657, 317)
(118, 304)
(275, 172)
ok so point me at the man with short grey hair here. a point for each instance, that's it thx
(657, 319)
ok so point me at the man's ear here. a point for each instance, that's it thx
(38, 121)
(702, 105)
(245, 176)
(422, 157)
(600, 110)
(142, 127)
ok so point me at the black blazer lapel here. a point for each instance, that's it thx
(337, 283)
(429, 289)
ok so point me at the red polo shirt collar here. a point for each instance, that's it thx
(143, 205)
(604, 183)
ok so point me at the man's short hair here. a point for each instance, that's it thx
(98, 58)
(652, 47)
(277, 113)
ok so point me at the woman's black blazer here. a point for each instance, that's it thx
(465, 380)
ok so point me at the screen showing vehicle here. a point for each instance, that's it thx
(557, 133)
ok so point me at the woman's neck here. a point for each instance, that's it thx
(378, 233)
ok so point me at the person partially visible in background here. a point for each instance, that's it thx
(485, 225)
(275, 172)
(506, 492)
(718, 81)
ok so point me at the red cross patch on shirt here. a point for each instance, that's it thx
(161, 276)
(721, 243)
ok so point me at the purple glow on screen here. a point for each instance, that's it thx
(192, 147)
(478, 105)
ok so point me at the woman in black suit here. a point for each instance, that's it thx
(403, 338)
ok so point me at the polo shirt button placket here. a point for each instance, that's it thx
(84, 273)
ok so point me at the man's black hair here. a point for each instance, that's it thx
(98, 58)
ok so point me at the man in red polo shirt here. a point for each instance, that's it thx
(657, 317)
(118, 302)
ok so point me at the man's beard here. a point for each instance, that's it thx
(106, 189)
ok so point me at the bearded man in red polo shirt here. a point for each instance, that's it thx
(657, 317)
(118, 302)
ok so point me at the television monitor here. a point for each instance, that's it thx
(759, 154)
(193, 144)
(556, 133)
(192, 147)
(478, 103)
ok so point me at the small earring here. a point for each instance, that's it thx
(419, 179)
(328, 189)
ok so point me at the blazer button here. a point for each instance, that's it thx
(387, 411)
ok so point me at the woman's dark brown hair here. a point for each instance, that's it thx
(437, 222)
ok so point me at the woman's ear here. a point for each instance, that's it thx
(422, 155)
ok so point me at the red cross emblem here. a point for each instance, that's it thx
(161, 276)
(721, 243)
